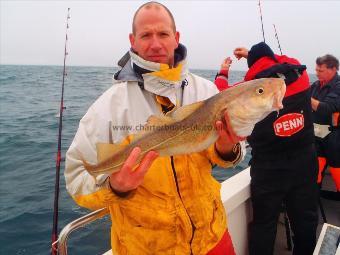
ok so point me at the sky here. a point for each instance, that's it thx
(33, 32)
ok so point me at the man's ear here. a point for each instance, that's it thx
(177, 35)
(132, 39)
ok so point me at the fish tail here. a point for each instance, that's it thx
(89, 168)
(87, 165)
(94, 170)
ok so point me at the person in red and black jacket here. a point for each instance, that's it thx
(284, 162)
(326, 116)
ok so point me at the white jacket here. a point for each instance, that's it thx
(114, 115)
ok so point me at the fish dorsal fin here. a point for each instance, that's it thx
(181, 113)
(177, 114)
(151, 125)
(106, 150)
(171, 117)
(154, 120)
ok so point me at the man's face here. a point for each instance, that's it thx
(154, 39)
(325, 74)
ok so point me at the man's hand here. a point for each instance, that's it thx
(241, 52)
(315, 103)
(127, 178)
(227, 138)
(226, 64)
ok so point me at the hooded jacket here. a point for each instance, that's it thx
(177, 209)
(291, 129)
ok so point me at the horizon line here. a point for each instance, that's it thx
(100, 66)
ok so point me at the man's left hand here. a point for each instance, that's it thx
(226, 65)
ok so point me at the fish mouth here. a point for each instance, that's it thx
(278, 97)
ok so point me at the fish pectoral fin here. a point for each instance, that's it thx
(184, 111)
(106, 150)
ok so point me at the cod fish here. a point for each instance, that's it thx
(191, 128)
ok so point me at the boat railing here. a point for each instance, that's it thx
(61, 244)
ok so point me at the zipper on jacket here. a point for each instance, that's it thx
(175, 175)
(179, 194)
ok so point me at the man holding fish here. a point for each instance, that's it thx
(157, 183)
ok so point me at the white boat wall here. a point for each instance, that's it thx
(235, 194)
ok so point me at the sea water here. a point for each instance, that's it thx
(29, 108)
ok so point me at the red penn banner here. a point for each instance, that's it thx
(289, 124)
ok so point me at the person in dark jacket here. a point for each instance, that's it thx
(284, 163)
(325, 102)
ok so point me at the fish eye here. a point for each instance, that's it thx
(260, 90)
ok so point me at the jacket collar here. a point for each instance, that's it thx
(331, 82)
(156, 78)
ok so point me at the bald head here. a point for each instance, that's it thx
(154, 36)
(156, 6)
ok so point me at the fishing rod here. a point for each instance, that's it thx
(264, 39)
(54, 250)
(277, 38)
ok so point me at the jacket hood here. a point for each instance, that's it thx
(258, 51)
(156, 78)
(128, 72)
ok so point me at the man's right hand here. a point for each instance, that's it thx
(128, 178)
(241, 52)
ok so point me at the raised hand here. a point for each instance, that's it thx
(241, 52)
(226, 64)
